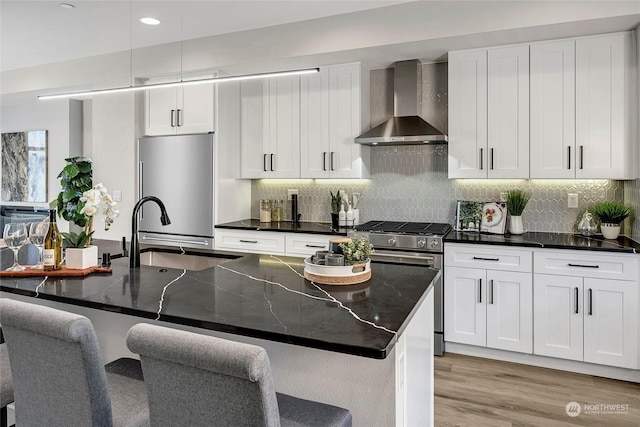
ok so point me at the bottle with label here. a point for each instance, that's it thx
(53, 245)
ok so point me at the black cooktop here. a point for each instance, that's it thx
(419, 228)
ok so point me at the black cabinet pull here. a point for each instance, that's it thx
(577, 301)
(582, 157)
(178, 117)
(481, 158)
(272, 158)
(173, 118)
(248, 241)
(479, 290)
(491, 164)
(583, 265)
(264, 162)
(590, 302)
(331, 162)
(569, 157)
(485, 259)
(324, 160)
(315, 246)
(491, 294)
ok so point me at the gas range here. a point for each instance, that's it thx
(413, 236)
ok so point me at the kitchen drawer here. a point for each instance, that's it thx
(262, 242)
(305, 245)
(586, 264)
(488, 257)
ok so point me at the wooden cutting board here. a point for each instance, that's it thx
(63, 272)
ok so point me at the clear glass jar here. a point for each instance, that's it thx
(265, 210)
(277, 210)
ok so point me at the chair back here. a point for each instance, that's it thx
(198, 380)
(57, 367)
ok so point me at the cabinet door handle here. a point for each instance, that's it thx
(264, 162)
(491, 164)
(590, 302)
(331, 161)
(582, 157)
(315, 246)
(179, 117)
(324, 160)
(583, 265)
(248, 241)
(272, 159)
(481, 158)
(577, 302)
(479, 290)
(485, 259)
(569, 157)
(173, 118)
(491, 294)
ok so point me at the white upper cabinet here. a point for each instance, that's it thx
(180, 110)
(489, 113)
(553, 124)
(329, 122)
(604, 141)
(270, 128)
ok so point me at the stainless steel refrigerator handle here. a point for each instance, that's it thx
(479, 290)
(173, 118)
(272, 159)
(577, 301)
(140, 175)
(569, 157)
(195, 242)
(264, 162)
(324, 160)
(481, 158)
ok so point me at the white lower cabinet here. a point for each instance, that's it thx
(484, 306)
(271, 242)
(304, 245)
(580, 316)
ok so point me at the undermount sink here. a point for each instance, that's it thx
(193, 261)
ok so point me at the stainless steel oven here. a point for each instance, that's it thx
(412, 243)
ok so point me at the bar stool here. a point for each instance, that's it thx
(58, 371)
(198, 380)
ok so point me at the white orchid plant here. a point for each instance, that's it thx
(92, 202)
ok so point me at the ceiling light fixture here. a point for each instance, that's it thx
(150, 21)
(180, 83)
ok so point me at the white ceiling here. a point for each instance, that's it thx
(298, 33)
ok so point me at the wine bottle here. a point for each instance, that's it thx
(53, 245)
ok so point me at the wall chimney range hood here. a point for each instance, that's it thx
(406, 127)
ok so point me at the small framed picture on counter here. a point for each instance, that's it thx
(468, 215)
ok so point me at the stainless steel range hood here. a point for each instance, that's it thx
(406, 127)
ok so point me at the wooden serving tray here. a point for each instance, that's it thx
(338, 280)
(63, 272)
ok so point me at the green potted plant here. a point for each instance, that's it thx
(357, 250)
(336, 201)
(610, 214)
(516, 202)
(79, 202)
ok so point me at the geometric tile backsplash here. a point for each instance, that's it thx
(410, 183)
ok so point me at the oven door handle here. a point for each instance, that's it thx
(403, 256)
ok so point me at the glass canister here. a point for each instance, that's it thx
(277, 210)
(265, 210)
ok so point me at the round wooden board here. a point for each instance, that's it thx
(338, 280)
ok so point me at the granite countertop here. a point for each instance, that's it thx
(622, 244)
(261, 296)
(285, 226)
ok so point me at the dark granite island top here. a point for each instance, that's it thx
(260, 296)
(622, 244)
(285, 226)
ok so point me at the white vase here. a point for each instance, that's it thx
(79, 259)
(610, 231)
(515, 225)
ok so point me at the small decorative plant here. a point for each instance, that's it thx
(79, 201)
(357, 250)
(516, 201)
(610, 212)
(335, 202)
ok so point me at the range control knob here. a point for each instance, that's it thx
(422, 243)
(392, 241)
(433, 244)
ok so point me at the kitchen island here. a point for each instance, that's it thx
(365, 347)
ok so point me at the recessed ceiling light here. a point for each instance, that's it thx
(66, 5)
(150, 21)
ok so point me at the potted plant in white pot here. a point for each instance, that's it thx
(79, 202)
(610, 214)
(516, 202)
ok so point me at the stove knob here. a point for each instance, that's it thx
(422, 243)
(392, 241)
(433, 244)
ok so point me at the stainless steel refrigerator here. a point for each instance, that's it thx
(178, 169)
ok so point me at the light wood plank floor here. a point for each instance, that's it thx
(476, 392)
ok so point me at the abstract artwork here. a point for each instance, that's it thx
(24, 166)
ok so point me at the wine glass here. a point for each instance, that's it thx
(15, 235)
(37, 233)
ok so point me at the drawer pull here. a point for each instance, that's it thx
(480, 290)
(248, 241)
(479, 258)
(577, 301)
(583, 265)
(315, 246)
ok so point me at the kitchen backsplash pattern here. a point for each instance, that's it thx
(410, 183)
(632, 198)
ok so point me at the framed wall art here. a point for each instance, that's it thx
(24, 166)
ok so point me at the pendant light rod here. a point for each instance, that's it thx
(181, 83)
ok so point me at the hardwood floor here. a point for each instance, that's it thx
(476, 392)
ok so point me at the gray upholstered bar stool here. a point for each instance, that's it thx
(198, 380)
(6, 382)
(58, 371)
